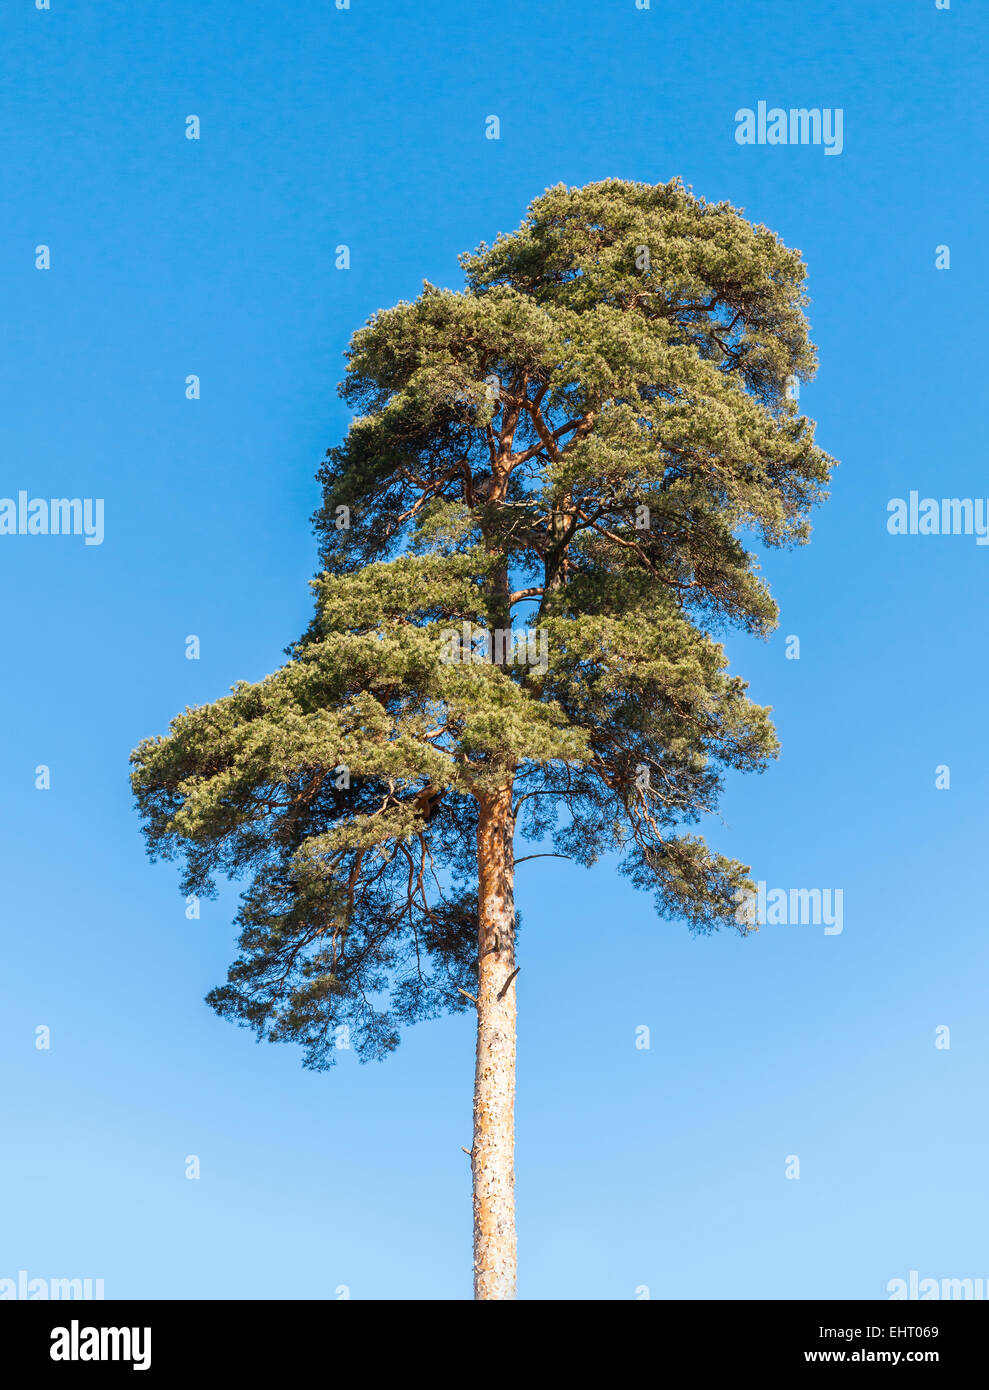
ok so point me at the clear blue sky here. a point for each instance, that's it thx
(170, 257)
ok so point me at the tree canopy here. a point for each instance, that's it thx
(577, 444)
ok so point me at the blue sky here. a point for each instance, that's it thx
(662, 1168)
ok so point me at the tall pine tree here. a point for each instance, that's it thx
(530, 536)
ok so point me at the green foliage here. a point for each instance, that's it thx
(581, 438)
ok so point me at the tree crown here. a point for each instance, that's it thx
(573, 444)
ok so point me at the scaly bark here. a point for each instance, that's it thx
(493, 1155)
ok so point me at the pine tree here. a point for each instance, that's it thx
(530, 538)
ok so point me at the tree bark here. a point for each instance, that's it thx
(493, 1154)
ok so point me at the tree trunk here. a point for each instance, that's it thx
(493, 1155)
